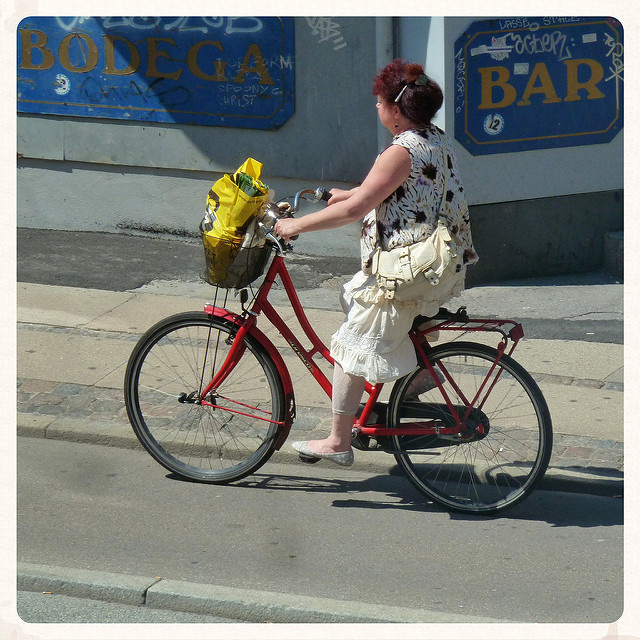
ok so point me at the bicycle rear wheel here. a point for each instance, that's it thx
(502, 450)
(167, 371)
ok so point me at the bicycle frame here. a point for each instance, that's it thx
(247, 324)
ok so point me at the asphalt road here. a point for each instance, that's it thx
(322, 532)
(121, 262)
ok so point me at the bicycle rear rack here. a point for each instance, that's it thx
(459, 321)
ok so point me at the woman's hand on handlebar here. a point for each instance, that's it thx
(339, 195)
(287, 228)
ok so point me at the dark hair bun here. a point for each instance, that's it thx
(413, 70)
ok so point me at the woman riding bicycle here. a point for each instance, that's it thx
(399, 203)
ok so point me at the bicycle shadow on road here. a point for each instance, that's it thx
(558, 508)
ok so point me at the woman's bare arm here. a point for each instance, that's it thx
(391, 169)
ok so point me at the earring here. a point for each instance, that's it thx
(396, 125)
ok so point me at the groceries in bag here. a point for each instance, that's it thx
(235, 252)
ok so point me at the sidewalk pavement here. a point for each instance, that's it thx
(73, 346)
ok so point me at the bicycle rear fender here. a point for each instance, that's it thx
(274, 354)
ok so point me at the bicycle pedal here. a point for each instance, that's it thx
(362, 442)
(308, 459)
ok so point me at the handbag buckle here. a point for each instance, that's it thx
(432, 276)
(404, 265)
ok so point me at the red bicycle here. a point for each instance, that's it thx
(210, 397)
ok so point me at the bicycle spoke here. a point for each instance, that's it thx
(228, 434)
(500, 450)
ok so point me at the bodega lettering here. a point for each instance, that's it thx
(204, 58)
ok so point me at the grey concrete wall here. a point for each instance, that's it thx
(543, 237)
(82, 196)
(102, 174)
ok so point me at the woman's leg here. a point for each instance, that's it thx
(347, 393)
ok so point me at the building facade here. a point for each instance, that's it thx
(124, 123)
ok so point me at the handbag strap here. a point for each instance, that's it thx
(447, 174)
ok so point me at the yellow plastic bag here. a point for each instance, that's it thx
(231, 203)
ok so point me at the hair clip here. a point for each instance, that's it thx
(400, 94)
(420, 81)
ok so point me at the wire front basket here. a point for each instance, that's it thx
(231, 265)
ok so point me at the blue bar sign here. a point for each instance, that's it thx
(537, 83)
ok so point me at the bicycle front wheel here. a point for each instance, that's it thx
(230, 435)
(502, 448)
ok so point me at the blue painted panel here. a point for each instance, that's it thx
(232, 72)
(538, 83)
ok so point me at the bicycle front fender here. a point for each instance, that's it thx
(274, 354)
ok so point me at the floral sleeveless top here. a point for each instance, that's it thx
(410, 214)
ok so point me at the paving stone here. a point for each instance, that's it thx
(68, 389)
(578, 452)
(33, 385)
(106, 406)
(23, 398)
(608, 455)
(87, 413)
(51, 409)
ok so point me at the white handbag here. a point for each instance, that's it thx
(425, 269)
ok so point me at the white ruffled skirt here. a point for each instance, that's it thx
(373, 342)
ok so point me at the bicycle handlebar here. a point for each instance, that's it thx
(318, 194)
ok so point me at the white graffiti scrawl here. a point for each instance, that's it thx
(327, 29)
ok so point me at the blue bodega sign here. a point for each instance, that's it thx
(538, 83)
(233, 72)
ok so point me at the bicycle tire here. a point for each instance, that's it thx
(170, 365)
(483, 469)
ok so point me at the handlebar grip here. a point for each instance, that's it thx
(325, 195)
(292, 238)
